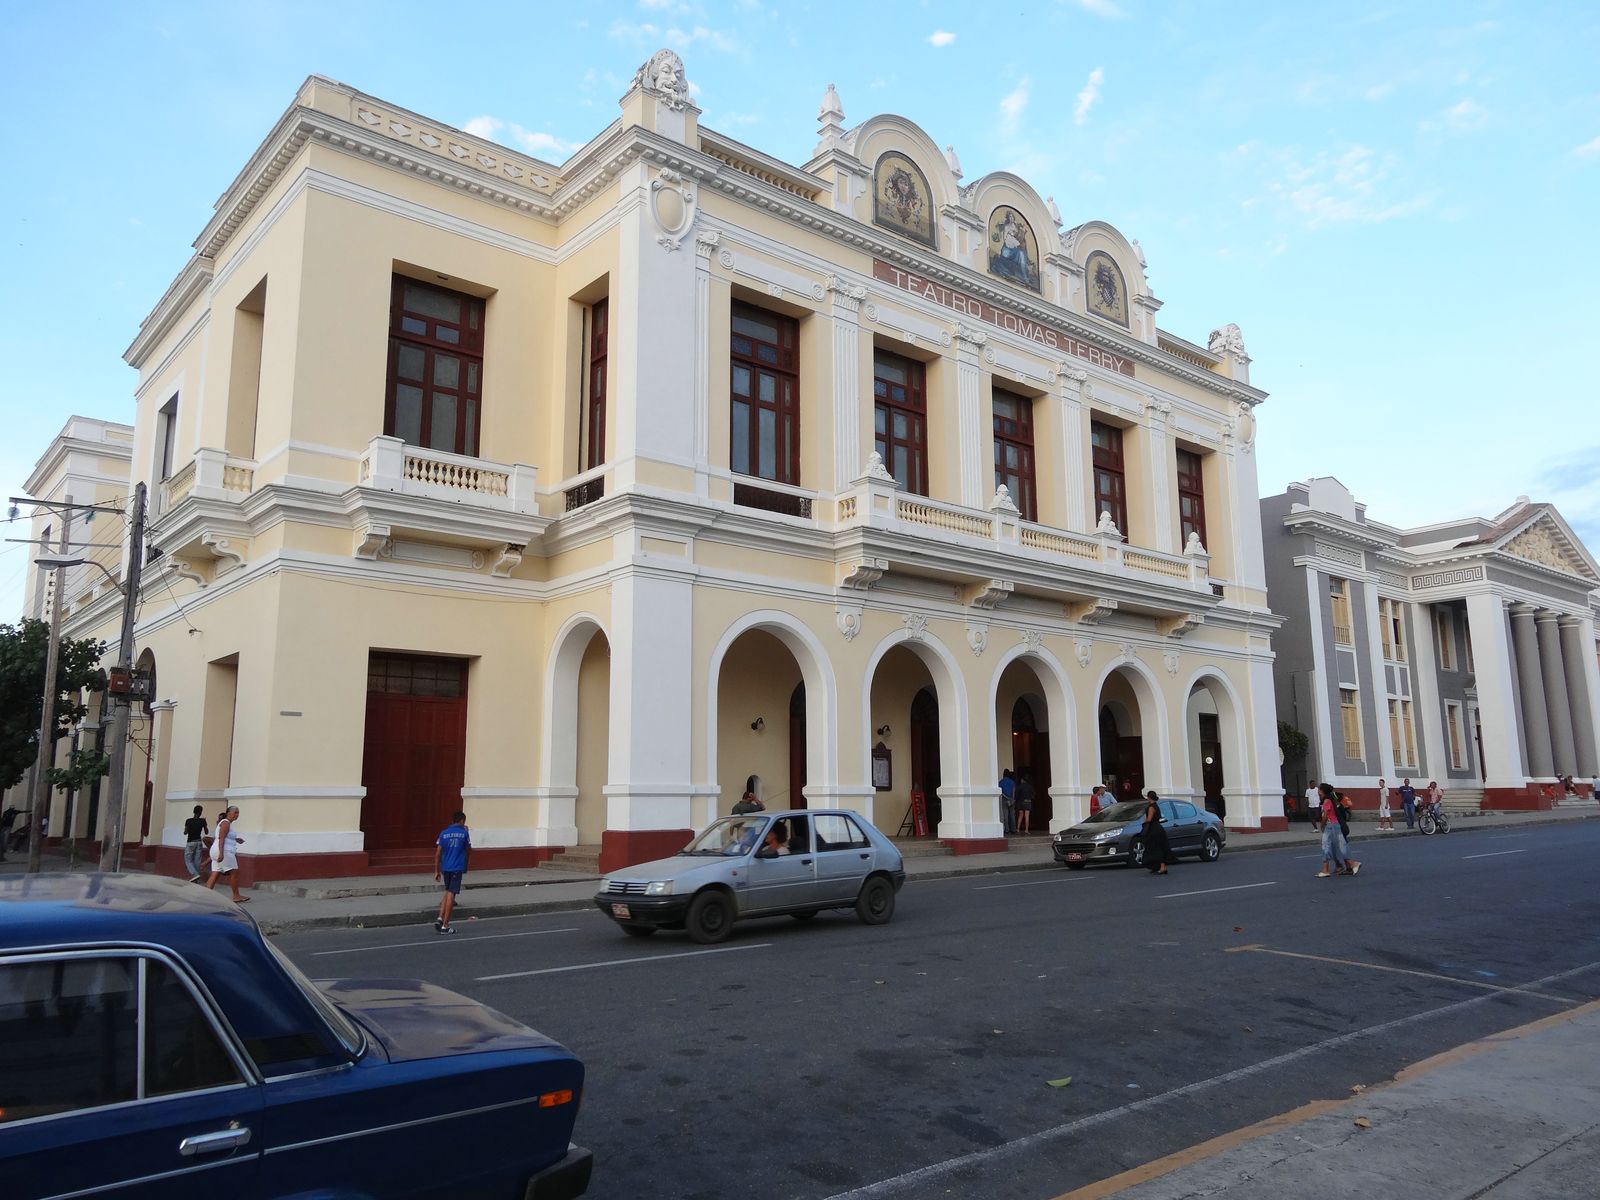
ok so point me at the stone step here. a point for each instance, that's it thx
(574, 860)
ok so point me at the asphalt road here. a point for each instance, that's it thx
(830, 1059)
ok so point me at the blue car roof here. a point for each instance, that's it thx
(61, 908)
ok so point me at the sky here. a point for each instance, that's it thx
(1394, 201)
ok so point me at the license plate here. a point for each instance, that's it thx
(620, 911)
(1074, 856)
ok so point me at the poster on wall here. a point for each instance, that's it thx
(882, 776)
(900, 198)
(1013, 250)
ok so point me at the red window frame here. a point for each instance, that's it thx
(907, 400)
(1191, 497)
(764, 389)
(1013, 450)
(594, 452)
(1110, 483)
(437, 339)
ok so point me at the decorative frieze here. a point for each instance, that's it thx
(1446, 578)
(1340, 554)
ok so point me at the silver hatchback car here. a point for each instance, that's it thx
(798, 863)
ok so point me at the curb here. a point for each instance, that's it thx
(1237, 844)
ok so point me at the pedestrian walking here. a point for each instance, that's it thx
(1385, 817)
(750, 802)
(1313, 805)
(195, 832)
(225, 853)
(1408, 797)
(1008, 799)
(1345, 807)
(1157, 851)
(1023, 803)
(450, 854)
(1336, 858)
(1098, 799)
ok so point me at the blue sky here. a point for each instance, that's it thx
(1395, 201)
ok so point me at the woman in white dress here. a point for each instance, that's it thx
(224, 856)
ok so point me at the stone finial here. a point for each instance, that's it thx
(1002, 501)
(1051, 208)
(1194, 547)
(1138, 252)
(876, 469)
(952, 161)
(1107, 525)
(1227, 340)
(830, 119)
(662, 76)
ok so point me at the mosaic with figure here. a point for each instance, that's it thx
(1013, 250)
(1108, 295)
(900, 198)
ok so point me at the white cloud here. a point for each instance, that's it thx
(1012, 106)
(673, 36)
(1461, 117)
(941, 37)
(1342, 187)
(1101, 8)
(1088, 96)
(534, 141)
(880, 82)
(1588, 149)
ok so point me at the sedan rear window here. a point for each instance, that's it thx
(69, 1035)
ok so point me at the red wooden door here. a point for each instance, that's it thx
(415, 756)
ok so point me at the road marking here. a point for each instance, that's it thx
(1350, 962)
(1494, 854)
(990, 887)
(1032, 1141)
(1207, 891)
(621, 962)
(438, 940)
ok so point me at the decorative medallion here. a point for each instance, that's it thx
(1108, 294)
(915, 623)
(1083, 650)
(901, 199)
(1013, 250)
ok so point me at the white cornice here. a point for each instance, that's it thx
(1311, 520)
(174, 302)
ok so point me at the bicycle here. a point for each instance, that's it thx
(1433, 820)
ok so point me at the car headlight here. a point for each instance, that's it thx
(661, 887)
(1112, 836)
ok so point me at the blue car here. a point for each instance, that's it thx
(154, 1044)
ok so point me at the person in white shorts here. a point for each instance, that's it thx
(1385, 818)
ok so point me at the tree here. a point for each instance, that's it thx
(22, 655)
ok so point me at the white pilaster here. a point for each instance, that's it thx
(1380, 679)
(1322, 718)
(1428, 710)
(705, 243)
(974, 430)
(845, 319)
(1262, 793)
(1074, 448)
(1161, 467)
(1491, 656)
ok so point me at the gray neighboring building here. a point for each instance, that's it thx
(1463, 652)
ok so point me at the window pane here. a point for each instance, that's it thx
(880, 426)
(767, 450)
(68, 1035)
(892, 369)
(741, 439)
(413, 325)
(472, 377)
(902, 467)
(900, 426)
(741, 384)
(769, 389)
(446, 371)
(181, 1050)
(442, 435)
(433, 302)
(409, 363)
(752, 323)
(470, 444)
(408, 414)
(445, 334)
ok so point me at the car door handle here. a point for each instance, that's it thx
(213, 1143)
(804, 862)
(867, 855)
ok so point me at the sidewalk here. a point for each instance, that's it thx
(366, 901)
(1515, 1116)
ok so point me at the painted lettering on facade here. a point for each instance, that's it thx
(982, 310)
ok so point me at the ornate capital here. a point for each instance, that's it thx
(705, 241)
(970, 336)
(846, 295)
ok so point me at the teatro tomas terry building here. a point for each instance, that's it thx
(574, 494)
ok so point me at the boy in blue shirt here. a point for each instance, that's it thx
(449, 865)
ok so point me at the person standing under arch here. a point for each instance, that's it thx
(1022, 803)
(1157, 851)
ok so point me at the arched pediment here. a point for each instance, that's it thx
(910, 181)
(1113, 275)
(1017, 229)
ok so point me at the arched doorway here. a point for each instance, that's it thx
(916, 709)
(592, 768)
(761, 722)
(797, 746)
(575, 765)
(1030, 754)
(926, 773)
(1121, 738)
(1214, 737)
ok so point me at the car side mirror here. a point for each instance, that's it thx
(766, 852)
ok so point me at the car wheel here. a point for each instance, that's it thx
(639, 930)
(806, 915)
(1210, 848)
(875, 905)
(710, 917)
(1136, 852)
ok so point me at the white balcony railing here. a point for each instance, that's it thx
(212, 474)
(392, 466)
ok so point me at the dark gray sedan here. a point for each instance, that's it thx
(1116, 834)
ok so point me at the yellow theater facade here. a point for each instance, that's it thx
(574, 495)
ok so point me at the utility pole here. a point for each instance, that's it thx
(47, 709)
(116, 806)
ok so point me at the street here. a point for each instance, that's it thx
(828, 1059)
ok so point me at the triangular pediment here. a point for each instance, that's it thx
(1546, 540)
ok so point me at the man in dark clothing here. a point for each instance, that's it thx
(1408, 797)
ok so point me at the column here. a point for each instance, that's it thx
(1162, 465)
(1074, 446)
(1502, 749)
(975, 432)
(1535, 719)
(845, 319)
(1557, 702)
(1378, 696)
(1583, 689)
(1428, 710)
(705, 244)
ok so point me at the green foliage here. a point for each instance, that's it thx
(82, 769)
(1292, 742)
(22, 654)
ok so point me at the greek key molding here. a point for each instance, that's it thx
(1444, 578)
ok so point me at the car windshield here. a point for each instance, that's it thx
(1118, 814)
(729, 835)
(343, 1029)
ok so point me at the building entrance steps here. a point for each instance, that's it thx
(574, 860)
(921, 848)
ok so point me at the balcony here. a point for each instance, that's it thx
(196, 515)
(1092, 573)
(434, 496)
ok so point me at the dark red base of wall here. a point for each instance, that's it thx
(974, 845)
(624, 847)
(1522, 799)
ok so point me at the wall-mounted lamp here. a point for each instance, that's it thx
(883, 731)
(758, 724)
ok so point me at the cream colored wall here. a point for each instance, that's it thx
(594, 723)
(757, 679)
